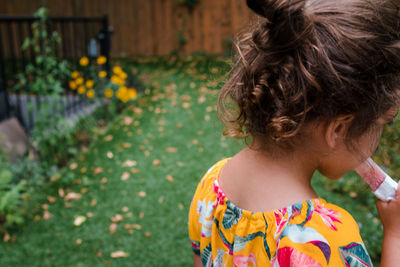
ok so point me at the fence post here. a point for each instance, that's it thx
(4, 101)
(105, 42)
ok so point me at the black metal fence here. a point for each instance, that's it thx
(80, 36)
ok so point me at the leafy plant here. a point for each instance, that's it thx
(46, 74)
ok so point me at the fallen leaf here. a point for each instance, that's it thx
(46, 215)
(119, 254)
(51, 199)
(73, 166)
(137, 226)
(68, 205)
(72, 195)
(147, 153)
(99, 254)
(89, 214)
(156, 162)
(61, 192)
(125, 209)
(179, 125)
(103, 180)
(126, 145)
(141, 147)
(6, 238)
(141, 194)
(84, 190)
(108, 138)
(79, 220)
(201, 99)
(129, 163)
(117, 218)
(170, 178)
(185, 98)
(113, 228)
(133, 170)
(171, 149)
(36, 218)
(195, 142)
(147, 234)
(128, 120)
(93, 203)
(78, 241)
(125, 176)
(186, 105)
(45, 206)
(141, 215)
(110, 155)
(83, 170)
(98, 170)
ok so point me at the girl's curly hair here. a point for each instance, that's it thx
(310, 60)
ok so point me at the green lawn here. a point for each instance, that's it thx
(142, 174)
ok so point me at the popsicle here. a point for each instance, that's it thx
(383, 186)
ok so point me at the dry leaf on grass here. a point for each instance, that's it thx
(113, 228)
(73, 196)
(73, 166)
(117, 218)
(78, 220)
(46, 215)
(51, 199)
(170, 178)
(125, 209)
(130, 163)
(141, 194)
(108, 138)
(125, 176)
(171, 149)
(156, 162)
(98, 170)
(119, 254)
(61, 192)
(128, 120)
(110, 155)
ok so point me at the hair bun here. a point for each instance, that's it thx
(285, 19)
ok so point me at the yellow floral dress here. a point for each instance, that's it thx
(308, 233)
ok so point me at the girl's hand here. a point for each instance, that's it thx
(389, 211)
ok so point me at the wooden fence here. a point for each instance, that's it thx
(154, 27)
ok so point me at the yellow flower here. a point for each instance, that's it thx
(108, 93)
(84, 61)
(90, 93)
(79, 81)
(123, 75)
(72, 85)
(89, 83)
(102, 74)
(117, 80)
(122, 93)
(75, 74)
(132, 93)
(81, 89)
(101, 60)
(117, 70)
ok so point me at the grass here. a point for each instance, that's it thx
(168, 139)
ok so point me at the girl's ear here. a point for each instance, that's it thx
(337, 129)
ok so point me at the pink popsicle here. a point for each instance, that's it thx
(380, 182)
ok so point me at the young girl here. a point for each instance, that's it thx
(313, 86)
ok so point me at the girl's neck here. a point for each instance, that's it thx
(256, 181)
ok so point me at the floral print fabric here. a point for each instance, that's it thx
(308, 233)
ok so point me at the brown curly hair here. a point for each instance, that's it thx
(312, 60)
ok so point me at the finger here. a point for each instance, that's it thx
(398, 192)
